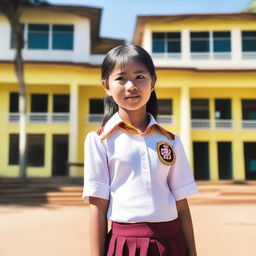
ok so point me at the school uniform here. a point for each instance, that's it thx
(142, 174)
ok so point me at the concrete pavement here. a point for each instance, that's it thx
(63, 230)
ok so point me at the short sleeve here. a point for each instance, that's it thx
(180, 178)
(96, 174)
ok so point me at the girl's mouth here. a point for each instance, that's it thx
(132, 97)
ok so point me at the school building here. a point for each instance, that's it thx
(206, 68)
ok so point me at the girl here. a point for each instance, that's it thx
(136, 172)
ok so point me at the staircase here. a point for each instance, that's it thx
(40, 191)
(68, 191)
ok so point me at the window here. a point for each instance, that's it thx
(200, 108)
(222, 45)
(39, 103)
(47, 36)
(216, 44)
(62, 37)
(200, 114)
(249, 44)
(96, 110)
(35, 149)
(169, 43)
(249, 41)
(61, 103)
(165, 111)
(200, 42)
(38, 36)
(249, 109)
(14, 102)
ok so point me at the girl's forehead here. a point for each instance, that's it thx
(129, 65)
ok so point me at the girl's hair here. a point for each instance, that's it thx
(120, 55)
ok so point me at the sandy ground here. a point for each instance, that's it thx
(63, 231)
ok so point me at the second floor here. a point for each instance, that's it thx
(55, 33)
(203, 41)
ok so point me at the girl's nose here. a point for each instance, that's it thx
(130, 85)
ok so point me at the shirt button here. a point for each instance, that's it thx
(143, 153)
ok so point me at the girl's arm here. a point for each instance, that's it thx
(98, 225)
(186, 225)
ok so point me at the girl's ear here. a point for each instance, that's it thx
(105, 85)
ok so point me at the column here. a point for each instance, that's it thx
(236, 44)
(73, 124)
(185, 45)
(147, 40)
(185, 125)
(237, 113)
(213, 155)
(238, 160)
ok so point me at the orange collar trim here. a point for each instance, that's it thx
(131, 129)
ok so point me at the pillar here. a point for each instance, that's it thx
(185, 133)
(73, 124)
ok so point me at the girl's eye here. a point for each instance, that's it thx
(120, 78)
(140, 77)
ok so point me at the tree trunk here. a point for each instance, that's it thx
(13, 14)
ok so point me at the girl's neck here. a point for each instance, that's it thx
(138, 118)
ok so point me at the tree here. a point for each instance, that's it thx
(252, 6)
(13, 9)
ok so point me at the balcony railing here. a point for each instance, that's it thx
(206, 124)
(248, 124)
(95, 118)
(165, 119)
(249, 55)
(210, 55)
(166, 56)
(39, 118)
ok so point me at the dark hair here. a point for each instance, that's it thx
(121, 54)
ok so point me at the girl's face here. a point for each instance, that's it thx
(130, 84)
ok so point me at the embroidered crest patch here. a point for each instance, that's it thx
(165, 153)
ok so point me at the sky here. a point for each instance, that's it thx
(118, 18)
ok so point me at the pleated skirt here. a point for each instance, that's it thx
(146, 239)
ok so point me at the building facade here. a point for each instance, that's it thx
(63, 53)
(206, 68)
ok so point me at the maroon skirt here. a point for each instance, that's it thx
(146, 239)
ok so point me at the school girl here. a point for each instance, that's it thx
(136, 173)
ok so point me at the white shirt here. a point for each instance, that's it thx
(141, 174)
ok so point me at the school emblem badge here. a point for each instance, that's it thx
(165, 153)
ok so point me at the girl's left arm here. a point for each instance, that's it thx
(186, 225)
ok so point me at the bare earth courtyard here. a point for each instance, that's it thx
(63, 230)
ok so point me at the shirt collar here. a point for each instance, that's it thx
(116, 122)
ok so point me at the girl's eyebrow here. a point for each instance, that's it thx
(135, 72)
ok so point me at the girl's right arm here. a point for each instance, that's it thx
(98, 225)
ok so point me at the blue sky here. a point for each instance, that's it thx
(119, 16)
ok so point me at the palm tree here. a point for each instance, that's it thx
(13, 9)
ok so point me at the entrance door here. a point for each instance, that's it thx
(201, 160)
(60, 155)
(225, 160)
(250, 160)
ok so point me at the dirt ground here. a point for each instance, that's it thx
(63, 230)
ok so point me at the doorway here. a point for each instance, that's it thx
(201, 160)
(60, 154)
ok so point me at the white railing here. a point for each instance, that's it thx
(95, 118)
(166, 56)
(249, 55)
(201, 124)
(165, 119)
(248, 124)
(223, 124)
(222, 55)
(39, 118)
